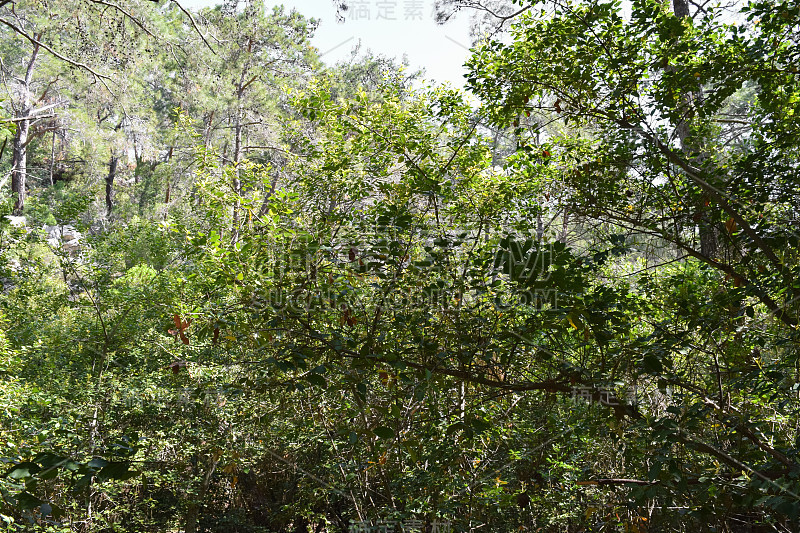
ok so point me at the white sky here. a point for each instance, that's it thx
(389, 27)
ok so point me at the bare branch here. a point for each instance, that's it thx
(22, 119)
(121, 10)
(194, 24)
(64, 58)
(265, 147)
(615, 481)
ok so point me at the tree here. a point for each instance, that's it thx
(264, 52)
(573, 307)
(64, 33)
(489, 17)
(671, 126)
(29, 108)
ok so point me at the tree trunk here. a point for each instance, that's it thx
(209, 124)
(19, 159)
(169, 184)
(193, 513)
(680, 8)
(112, 174)
(237, 184)
(52, 157)
(237, 152)
(19, 165)
(708, 227)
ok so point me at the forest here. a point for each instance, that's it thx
(244, 290)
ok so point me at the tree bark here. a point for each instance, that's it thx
(209, 124)
(237, 146)
(237, 184)
(193, 513)
(680, 8)
(19, 159)
(19, 165)
(708, 227)
(237, 156)
(52, 157)
(112, 174)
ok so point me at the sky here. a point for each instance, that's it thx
(389, 27)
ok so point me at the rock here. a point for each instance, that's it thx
(17, 221)
(72, 247)
(66, 237)
(14, 266)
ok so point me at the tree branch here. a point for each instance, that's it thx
(696, 175)
(121, 10)
(194, 25)
(77, 64)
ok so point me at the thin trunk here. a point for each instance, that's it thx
(462, 401)
(112, 174)
(539, 222)
(539, 228)
(52, 157)
(169, 183)
(564, 227)
(209, 122)
(19, 161)
(19, 165)
(237, 184)
(708, 227)
(237, 151)
(138, 159)
(99, 363)
(680, 8)
(193, 512)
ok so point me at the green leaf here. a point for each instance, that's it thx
(49, 460)
(652, 364)
(97, 462)
(316, 379)
(384, 432)
(26, 501)
(116, 470)
(480, 425)
(82, 483)
(23, 470)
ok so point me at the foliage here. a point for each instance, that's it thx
(319, 296)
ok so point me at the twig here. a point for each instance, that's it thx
(72, 62)
(121, 10)
(22, 119)
(194, 24)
